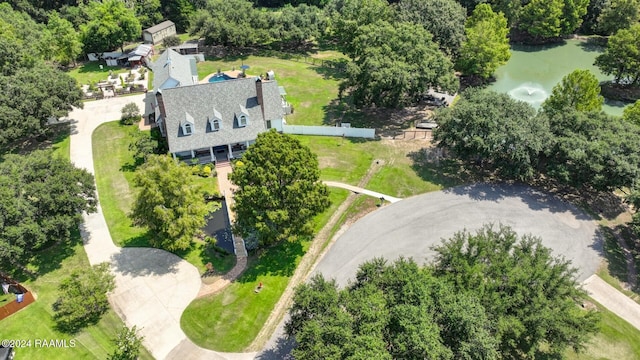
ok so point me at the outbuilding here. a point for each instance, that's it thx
(157, 33)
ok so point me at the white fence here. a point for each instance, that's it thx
(329, 131)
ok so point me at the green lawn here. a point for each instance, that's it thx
(230, 320)
(617, 340)
(90, 72)
(114, 167)
(347, 160)
(35, 321)
(308, 90)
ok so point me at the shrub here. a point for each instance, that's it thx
(130, 114)
(83, 298)
(172, 40)
(206, 171)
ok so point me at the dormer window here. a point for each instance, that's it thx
(215, 121)
(215, 125)
(242, 120)
(242, 117)
(187, 125)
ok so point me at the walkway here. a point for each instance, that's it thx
(153, 287)
(359, 190)
(226, 188)
(614, 300)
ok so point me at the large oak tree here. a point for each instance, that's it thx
(42, 198)
(279, 189)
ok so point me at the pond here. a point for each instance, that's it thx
(533, 71)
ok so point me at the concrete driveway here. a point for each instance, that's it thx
(153, 287)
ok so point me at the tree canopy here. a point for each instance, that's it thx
(394, 64)
(444, 19)
(66, 40)
(110, 24)
(580, 90)
(279, 189)
(620, 58)
(42, 198)
(530, 295)
(632, 113)
(617, 15)
(487, 45)
(169, 202)
(488, 295)
(593, 150)
(493, 128)
(30, 96)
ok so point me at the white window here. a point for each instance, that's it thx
(215, 125)
(242, 120)
(187, 129)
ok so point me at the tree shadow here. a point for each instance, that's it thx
(535, 199)
(331, 69)
(593, 44)
(137, 261)
(48, 259)
(281, 351)
(430, 165)
(277, 260)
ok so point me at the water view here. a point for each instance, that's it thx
(533, 71)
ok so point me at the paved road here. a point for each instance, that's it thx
(412, 226)
(359, 190)
(153, 287)
(614, 300)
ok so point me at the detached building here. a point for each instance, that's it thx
(157, 33)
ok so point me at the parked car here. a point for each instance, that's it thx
(6, 353)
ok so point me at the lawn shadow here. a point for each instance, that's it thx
(430, 165)
(277, 260)
(48, 259)
(387, 122)
(138, 261)
(593, 44)
(331, 69)
(614, 253)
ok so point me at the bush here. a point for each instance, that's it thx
(172, 40)
(206, 171)
(127, 344)
(130, 114)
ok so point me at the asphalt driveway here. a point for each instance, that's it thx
(411, 227)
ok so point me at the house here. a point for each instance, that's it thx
(157, 33)
(211, 121)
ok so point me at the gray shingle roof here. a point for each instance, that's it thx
(172, 69)
(223, 99)
(161, 26)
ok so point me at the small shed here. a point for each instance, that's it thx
(140, 55)
(157, 33)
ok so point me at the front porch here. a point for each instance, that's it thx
(214, 154)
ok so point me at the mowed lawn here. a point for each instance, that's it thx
(115, 168)
(90, 72)
(230, 320)
(308, 90)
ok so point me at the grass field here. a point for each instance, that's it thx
(309, 88)
(230, 320)
(114, 167)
